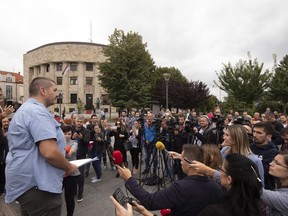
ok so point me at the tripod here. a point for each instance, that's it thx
(158, 177)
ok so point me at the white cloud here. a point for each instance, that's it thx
(193, 36)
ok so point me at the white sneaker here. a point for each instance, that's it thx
(96, 180)
(105, 167)
(93, 178)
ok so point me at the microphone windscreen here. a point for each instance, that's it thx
(117, 157)
(160, 146)
(165, 212)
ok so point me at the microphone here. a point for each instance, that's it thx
(117, 157)
(160, 146)
(165, 212)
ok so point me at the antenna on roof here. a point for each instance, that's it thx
(90, 32)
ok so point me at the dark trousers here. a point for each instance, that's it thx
(2, 177)
(151, 150)
(97, 164)
(109, 150)
(81, 181)
(135, 157)
(70, 188)
(81, 178)
(35, 202)
(87, 166)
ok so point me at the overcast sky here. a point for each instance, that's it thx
(195, 36)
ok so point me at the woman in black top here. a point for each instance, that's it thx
(239, 175)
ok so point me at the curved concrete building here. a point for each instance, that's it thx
(73, 66)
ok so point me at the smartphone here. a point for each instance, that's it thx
(120, 197)
(9, 103)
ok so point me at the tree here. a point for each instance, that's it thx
(279, 82)
(176, 81)
(245, 81)
(182, 95)
(127, 75)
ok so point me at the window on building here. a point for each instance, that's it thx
(73, 98)
(9, 92)
(89, 80)
(89, 66)
(59, 80)
(31, 70)
(47, 67)
(59, 67)
(73, 80)
(38, 69)
(73, 66)
(8, 79)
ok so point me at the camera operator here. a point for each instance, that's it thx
(204, 134)
(180, 138)
(150, 141)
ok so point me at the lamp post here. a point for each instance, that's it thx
(166, 77)
(59, 101)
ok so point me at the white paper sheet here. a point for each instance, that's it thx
(82, 162)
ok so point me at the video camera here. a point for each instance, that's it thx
(219, 122)
(189, 125)
(242, 121)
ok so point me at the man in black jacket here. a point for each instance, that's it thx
(184, 197)
(264, 149)
(82, 135)
(180, 138)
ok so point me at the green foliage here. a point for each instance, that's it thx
(279, 83)
(245, 82)
(182, 94)
(127, 75)
(175, 74)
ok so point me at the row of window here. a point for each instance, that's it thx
(74, 80)
(73, 66)
(73, 99)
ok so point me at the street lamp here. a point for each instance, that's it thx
(166, 77)
(59, 101)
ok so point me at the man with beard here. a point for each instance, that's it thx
(264, 149)
(35, 163)
(3, 153)
(180, 138)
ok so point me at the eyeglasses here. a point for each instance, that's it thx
(219, 168)
(188, 161)
(277, 163)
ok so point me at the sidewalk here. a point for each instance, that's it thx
(6, 209)
(96, 196)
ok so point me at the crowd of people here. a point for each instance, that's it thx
(221, 164)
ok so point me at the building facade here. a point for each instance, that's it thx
(12, 86)
(73, 66)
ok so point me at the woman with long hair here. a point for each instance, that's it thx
(236, 140)
(135, 139)
(212, 156)
(239, 175)
(277, 200)
(121, 136)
